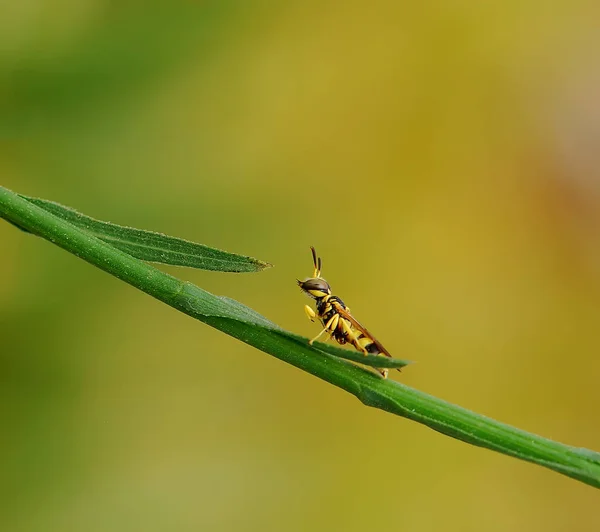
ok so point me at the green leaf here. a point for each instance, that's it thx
(245, 324)
(374, 361)
(154, 247)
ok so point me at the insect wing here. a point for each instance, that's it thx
(346, 315)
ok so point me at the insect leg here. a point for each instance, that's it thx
(353, 337)
(360, 343)
(329, 327)
(310, 313)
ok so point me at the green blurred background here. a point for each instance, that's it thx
(443, 158)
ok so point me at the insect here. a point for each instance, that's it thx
(335, 316)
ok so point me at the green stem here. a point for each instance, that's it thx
(224, 314)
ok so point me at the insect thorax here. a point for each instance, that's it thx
(326, 306)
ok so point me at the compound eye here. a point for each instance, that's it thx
(316, 285)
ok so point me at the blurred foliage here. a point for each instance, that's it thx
(443, 159)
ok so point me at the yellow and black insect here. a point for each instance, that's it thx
(335, 316)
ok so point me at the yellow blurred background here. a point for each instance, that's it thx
(443, 157)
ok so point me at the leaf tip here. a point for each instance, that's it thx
(261, 265)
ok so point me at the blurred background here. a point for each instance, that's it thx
(443, 157)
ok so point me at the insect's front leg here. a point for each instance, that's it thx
(310, 313)
(330, 327)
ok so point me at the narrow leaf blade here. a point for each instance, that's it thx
(154, 247)
(374, 361)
